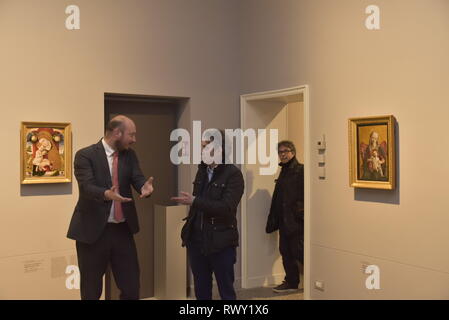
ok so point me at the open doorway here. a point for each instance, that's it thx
(155, 118)
(287, 111)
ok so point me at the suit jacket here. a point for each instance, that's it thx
(288, 197)
(218, 204)
(93, 175)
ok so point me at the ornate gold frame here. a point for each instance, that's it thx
(354, 181)
(67, 176)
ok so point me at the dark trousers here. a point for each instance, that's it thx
(221, 264)
(116, 247)
(289, 247)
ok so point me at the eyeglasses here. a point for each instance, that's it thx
(284, 151)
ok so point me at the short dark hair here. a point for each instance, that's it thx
(114, 124)
(287, 144)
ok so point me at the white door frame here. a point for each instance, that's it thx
(244, 100)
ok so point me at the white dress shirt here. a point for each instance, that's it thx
(109, 155)
(210, 172)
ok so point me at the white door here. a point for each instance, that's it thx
(287, 112)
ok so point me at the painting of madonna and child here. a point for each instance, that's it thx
(372, 152)
(46, 154)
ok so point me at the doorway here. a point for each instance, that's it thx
(287, 111)
(155, 118)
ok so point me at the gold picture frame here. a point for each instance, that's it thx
(372, 158)
(45, 152)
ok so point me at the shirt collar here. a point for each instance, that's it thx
(211, 169)
(287, 164)
(107, 148)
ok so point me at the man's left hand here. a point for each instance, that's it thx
(147, 188)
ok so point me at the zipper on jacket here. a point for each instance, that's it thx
(202, 215)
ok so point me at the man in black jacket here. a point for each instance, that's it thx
(210, 232)
(105, 216)
(287, 215)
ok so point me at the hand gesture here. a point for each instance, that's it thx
(184, 198)
(147, 188)
(113, 195)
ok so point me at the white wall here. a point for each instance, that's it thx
(263, 262)
(295, 125)
(212, 51)
(401, 69)
(170, 47)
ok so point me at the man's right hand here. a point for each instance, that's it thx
(113, 195)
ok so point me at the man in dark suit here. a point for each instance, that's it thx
(210, 232)
(287, 215)
(105, 216)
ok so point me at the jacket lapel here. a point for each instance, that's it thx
(217, 172)
(101, 156)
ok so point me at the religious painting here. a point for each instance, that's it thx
(372, 152)
(46, 155)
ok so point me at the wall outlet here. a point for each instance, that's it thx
(319, 285)
(322, 172)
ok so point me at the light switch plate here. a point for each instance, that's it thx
(321, 158)
(322, 172)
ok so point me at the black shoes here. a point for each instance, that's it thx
(285, 287)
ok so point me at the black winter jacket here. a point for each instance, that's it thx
(218, 205)
(288, 196)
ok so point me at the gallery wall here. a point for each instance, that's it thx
(401, 69)
(48, 73)
(295, 127)
(213, 51)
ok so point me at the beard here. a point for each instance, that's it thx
(119, 145)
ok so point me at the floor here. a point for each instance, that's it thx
(268, 294)
(264, 293)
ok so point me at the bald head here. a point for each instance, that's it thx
(120, 132)
(119, 122)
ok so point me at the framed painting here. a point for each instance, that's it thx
(45, 152)
(372, 159)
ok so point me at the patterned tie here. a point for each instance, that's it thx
(118, 212)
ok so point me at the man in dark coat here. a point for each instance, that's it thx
(105, 217)
(287, 215)
(210, 232)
